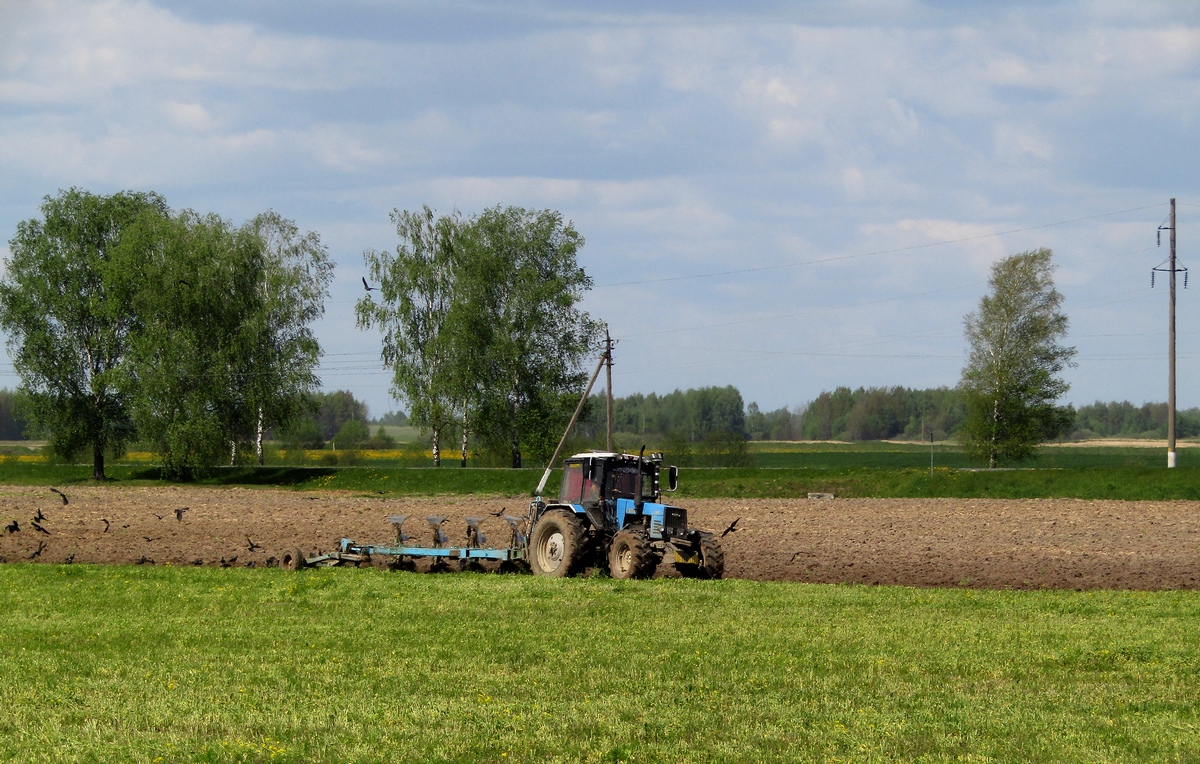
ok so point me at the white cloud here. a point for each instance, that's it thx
(189, 116)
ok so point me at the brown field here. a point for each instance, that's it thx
(1065, 544)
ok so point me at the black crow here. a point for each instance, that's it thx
(106, 523)
(39, 528)
(179, 513)
(61, 495)
(368, 287)
(732, 527)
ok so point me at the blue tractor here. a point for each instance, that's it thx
(609, 512)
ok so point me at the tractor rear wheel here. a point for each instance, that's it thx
(712, 559)
(630, 555)
(556, 544)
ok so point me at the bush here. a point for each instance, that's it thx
(352, 434)
(380, 441)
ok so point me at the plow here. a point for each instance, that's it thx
(609, 515)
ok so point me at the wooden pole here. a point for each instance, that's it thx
(608, 347)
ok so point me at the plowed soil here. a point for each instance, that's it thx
(1061, 544)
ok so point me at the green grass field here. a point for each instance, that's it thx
(237, 665)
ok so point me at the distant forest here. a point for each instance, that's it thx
(865, 413)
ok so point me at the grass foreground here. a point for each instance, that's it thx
(246, 665)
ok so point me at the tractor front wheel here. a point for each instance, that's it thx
(712, 559)
(630, 555)
(556, 544)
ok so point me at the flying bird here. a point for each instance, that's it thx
(732, 527)
(39, 516)
(179, 513)
(498, 514)
(368, 287)
(106, 523)
(41, 548)
(159, 516)
(39, 528)
(13, 527)
(794, 556)
(252, 545)
(148, 539)
(61, 495)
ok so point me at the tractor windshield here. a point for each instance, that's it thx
(623, 480)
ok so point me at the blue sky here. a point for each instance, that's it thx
(782, 196)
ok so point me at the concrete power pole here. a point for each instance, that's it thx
(1172, 268)
(1171, 353)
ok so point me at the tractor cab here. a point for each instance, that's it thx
(614, 490)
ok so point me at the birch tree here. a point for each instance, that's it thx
(1010, 384)
(416, 288)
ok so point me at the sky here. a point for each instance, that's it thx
(782, 196)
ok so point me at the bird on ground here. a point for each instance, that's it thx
(70, 559)
(41, 548)
(39, 516)
(368, 287)
(61, 495)
(732, 527)
(223, 563)
(252, 546)
(39, 528)
(13, 527)
(106, 523)
(144, 560)
(197, 562)
(179, 513)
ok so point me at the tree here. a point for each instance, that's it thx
(519, 338)
(63, 305)
(417, 286)
(293, 286)
(1009, 384)
(200, 321)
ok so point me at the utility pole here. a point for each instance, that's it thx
(1171, 353)
(608, 348)
(1172, 268)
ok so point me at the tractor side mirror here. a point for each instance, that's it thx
(672, 477)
